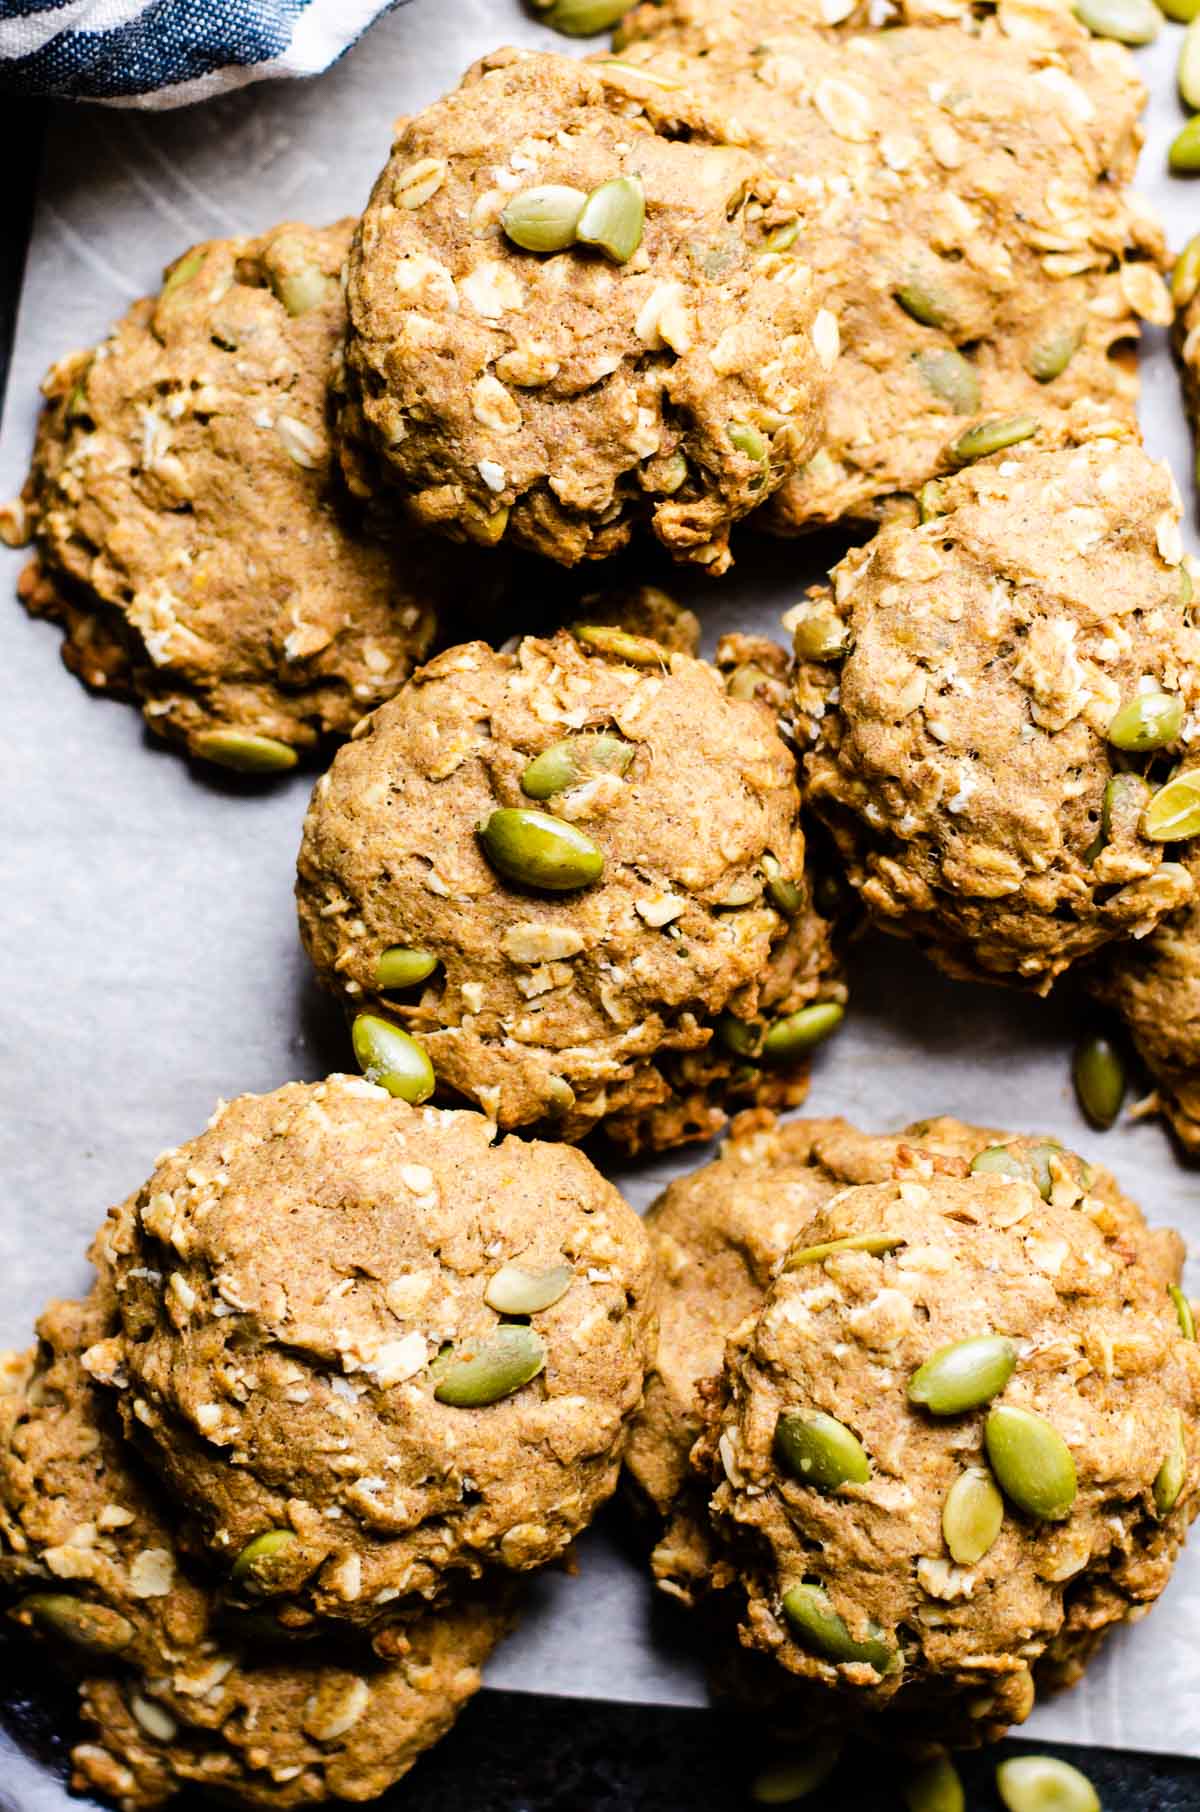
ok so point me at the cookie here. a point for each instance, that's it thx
(596, 852)
(376, 1340)
(557, 397)
(189, 527)
(1015, 677)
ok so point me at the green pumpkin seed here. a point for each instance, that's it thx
(399, 968)
(544, 219)
(1185, 275)
(972, 1515)
(1183, 1312)
(535, 850)
(89, 1626)
(1174, 811)
(244, 753)
(485, 1370)
(614, 218)
(605, 638)
(998, 1160)
(783, 238)
(486, 531)
(1041, 1783)
(935, 1788)
(930, 500)
(576, 759)
(1182, 11)
(924, 301)
(1099, 1077)
(515, 1291)
(818, 1628)
(783, 894)
(816, 1449)
(303, 289)
(1031, 1461)
(672, 474)
(1187, 590)
(820, 636)
(791, 1037)
(1129, 21)
(783, 1782)
(266, 1564)
(991, 437)
(1189, 66)
(1150, 720)
(963, 1375)
(1125, 799)
(1183, 156)
(747, 439)
(952, 378)
(743, 1037)
(1171, 1475)
(1050, 358)
(584, 18)
(182, 273)
(745, 680)
(877, 1244)
(387, 1056)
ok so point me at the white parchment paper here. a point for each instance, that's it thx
(146, 910)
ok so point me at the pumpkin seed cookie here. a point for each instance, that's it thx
(718, 1235)
(1019, 671)
(188, 532)
(556, 868)
(966, 1403)
(373, 1351)
(560, 327)
(961, 191)
(173, 1690)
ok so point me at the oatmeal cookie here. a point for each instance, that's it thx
(377, 1337)
(962, 1424)
(960, 189)
(596, 853)
(189, 533)
(1017, 675)
(173, 1689)
(556, 397)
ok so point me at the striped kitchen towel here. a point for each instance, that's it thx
(168, 53)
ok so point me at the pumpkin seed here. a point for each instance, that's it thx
(1183, 155)
(243, 752)
(605, 638)
(584, 18)
(1031, 1461)
(792, 1036)
(877, 1244)
(972, 1515)
(1050, 358)
(924, 301)
(935, 1788)
(741, 1036)
(485, 1370)
(1169, 1480)
(388, 1057)
(1174, 811)
(998, 1160)
(1182, 11)
(614, 217)
(303, 288)
(991, 437)
(672, 474)
(783, 238)
(783, 894)
(544, 219)
(1129, 21)
(577, 758)
(535, 850)
(399, 968)
(1189, 66)
(1185, 276)
(94, 1627)
(1125, 799)
(745, 680)
(1099, 1077)
(747, 439)
(952, 378)
(963, 1375)
(820, 636)
(1183, 1312)
(1150, 720)
(783, 1782)
(818, 1628)
(930, 500)
(816, 1449)
(1041, 1783)
(182, 273)
(266, 1564)
(515, 1291)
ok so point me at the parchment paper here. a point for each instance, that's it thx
(146, 910)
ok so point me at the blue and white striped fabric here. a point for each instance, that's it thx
(168, 53)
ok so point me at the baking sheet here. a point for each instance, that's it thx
(146, 910)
